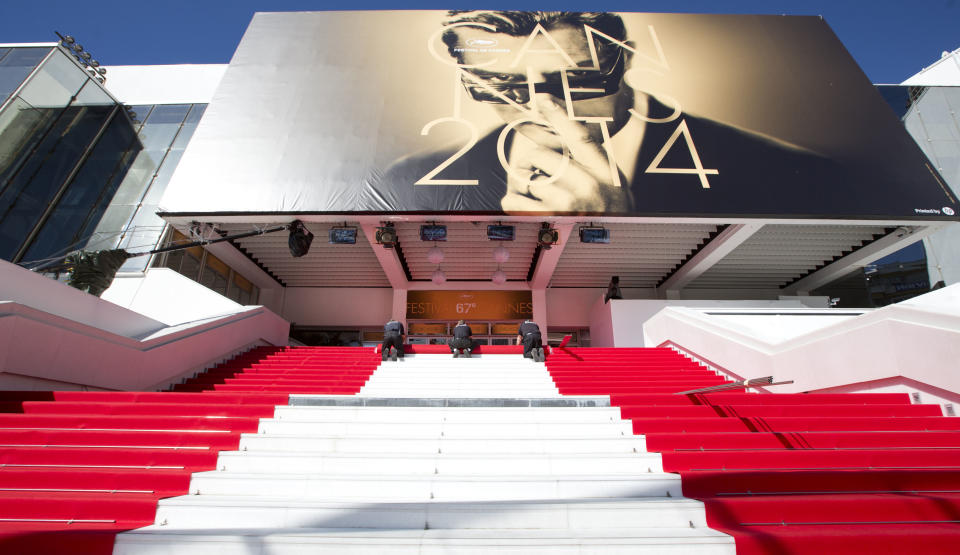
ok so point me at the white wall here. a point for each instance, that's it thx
(27, 288)
(53, 336)
(39, 350)
(619, 323)
(167, 296)
(913, 341)
(336, 307)
(164, 84)
(571, 307)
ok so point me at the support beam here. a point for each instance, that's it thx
(711, 253)
(888, 244)
(550, 257)
(388, 258)
(399, 310)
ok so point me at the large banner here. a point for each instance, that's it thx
(551, 113)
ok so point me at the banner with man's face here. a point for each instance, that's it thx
(551, 113)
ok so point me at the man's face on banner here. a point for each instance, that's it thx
(511, 64)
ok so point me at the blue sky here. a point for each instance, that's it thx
(890, 39)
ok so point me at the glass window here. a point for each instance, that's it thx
(196, 112)
(137, 178)
(173, 260)
(22, 127)
(111, 225)
(55, 84)
(143, 234)
(157, 137)
(215, 274)
(168, 113)
(15, 65)
(183, 137)
(159, 184)
(88, 194)
(141, 112)
(27, 192)
(190, 266)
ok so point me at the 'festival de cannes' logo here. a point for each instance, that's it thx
(481, 43)
(948, 211)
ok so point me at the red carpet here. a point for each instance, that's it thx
(788, 473)
(78, 467)
(784, 473)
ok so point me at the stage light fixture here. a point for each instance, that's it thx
(387, 236)
(547, 236)
(342, 236)
(433, 232)
(501, 232)
(300, 239)
(594, 235)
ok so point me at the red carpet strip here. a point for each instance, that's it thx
(76, 468)
(787, 473)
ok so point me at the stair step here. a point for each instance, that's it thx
(484, 415)
(450, 429)
(158, 539)
(230, 512)
(439, 487)
(377, 444)
(490, 463)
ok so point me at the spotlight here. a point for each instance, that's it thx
(69, 39)
(300, 239)
(547, 236)
(94, 63)
(86, 56)
(387, 236)
(102, 70)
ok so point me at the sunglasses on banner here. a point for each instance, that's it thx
(583, 84)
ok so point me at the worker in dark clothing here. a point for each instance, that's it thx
(613, 290)
(461, 340)
(529, 336)
(393, 336)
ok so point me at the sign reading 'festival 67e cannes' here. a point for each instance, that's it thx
(551, 112)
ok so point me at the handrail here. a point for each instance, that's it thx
(752, 382)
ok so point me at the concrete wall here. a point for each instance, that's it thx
(29, 289)
(913, 342)
(619, 323)
(571, 307)
(167, 296)
(53, 336)
(337, 307)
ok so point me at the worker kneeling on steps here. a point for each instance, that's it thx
(529, 336)
(461, 340)
(393, 333)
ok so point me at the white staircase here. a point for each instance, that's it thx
(444, 376)
(436, 455)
